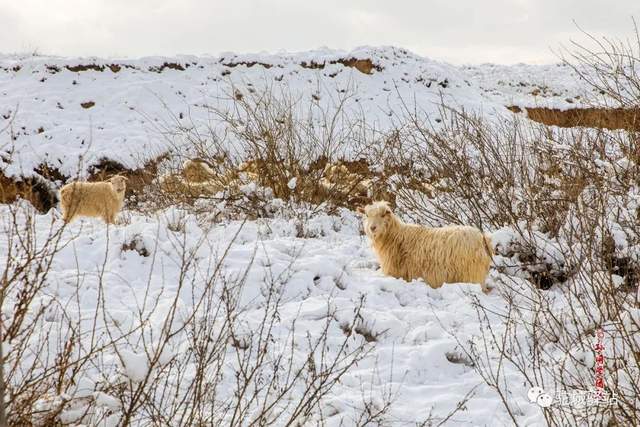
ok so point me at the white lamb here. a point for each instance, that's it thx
(102, 199)
(437, 255)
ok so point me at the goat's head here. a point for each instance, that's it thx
(378, 218)
(119, 183)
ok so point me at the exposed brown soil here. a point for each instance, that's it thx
(169, 65)
(603, 118)
(95, 67)
(365, 66)
(343, 183)
(313, 65)
(50, 173)
(115, 68)
(135, 244)
(35, 190)
(84, 67)
(15, 68)
(247, 64)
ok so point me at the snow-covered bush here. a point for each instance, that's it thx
(267, 141)
(563, 206)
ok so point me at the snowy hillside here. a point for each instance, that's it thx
(259, 300)
(95, 108)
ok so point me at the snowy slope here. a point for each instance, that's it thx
(415, 354)
(70, 113)
(127, 100)
(524, 85)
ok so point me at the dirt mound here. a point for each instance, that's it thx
(92, 67)
(365, 66)
(33, 189)
(603, 118)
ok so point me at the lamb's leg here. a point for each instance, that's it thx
(110, 218)
(483, 282)
(67, 216)
(70, 210)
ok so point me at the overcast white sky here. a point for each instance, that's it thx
(458, 31)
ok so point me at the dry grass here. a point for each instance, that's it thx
(341, 183)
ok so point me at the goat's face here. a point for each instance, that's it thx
(377, 219)
(119, 183)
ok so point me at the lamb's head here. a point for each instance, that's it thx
(119, 183)
(378, 219)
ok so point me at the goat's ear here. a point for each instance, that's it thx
(360, 210)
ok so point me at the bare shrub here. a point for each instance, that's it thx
(609, 66)
(563, 202)
(271, 144)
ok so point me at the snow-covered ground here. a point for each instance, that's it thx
(414, 355)
(126, 100)
(129, 278)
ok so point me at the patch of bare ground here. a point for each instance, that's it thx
(14, 69)
(170, 66)
(33, 189)
(115, 68)
(50, 173)
(603, 118)
(247, 64)
(365, 66)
